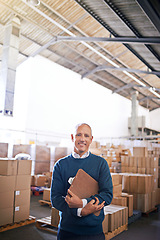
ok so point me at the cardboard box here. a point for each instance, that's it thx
(140, 151)
(22, 205)
(105, 224)
(141, 170)
(22, 197)
(148, 162)
(143, 184)
(154, 162)
(21, 148)
(61, 152)
(124, 213)
(23, 182)
(41, 167)
(21, 213)
(6, 216)
(115, 179)
(125, 183)
(111, 220)
(55, 217)
(157, 196)
(121, 201)
(129, 203)
(139, 162)
(24, 167)
(143, 202)
(40, 180)
(118, 216)
(117, 190)
(7, 183)
(133, 184)
(46, 194)
(3, 150)
(8, 167)
(143, 162)
(7, 199)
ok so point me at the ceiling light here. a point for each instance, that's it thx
(33, 2)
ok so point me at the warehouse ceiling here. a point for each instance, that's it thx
(114, 43)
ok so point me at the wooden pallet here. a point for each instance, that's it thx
(44, 202)
(117, 231)
(45, 224)
(146, 214)
(17, 224)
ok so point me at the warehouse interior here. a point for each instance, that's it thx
(64, 62)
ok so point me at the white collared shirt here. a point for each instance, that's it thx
(76, 155)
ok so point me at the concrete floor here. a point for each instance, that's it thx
(144, 228)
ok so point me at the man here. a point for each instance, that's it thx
(78, 218)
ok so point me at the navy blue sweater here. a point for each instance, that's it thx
(67, 167)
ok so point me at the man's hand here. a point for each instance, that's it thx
(73, 200)
(92, 207)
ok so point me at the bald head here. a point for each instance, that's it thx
(81, 124)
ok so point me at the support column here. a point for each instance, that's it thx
(134, 114)
(9, 65)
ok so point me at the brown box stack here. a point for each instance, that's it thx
(140, 151)
(60, 152)
(42, 161)
(117, 216)
(22, 190)
(141, 187)
(21, 148)
(46, 194)
(3, 150)
(120, 198)
(7, 187)
(15, 176)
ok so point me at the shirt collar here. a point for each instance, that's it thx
(76, 155)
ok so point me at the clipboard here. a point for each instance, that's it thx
(84, 186)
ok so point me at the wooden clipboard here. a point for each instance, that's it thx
(84, 186)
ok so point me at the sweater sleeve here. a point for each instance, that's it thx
(58, 192)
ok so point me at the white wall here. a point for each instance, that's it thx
(155, 119)
(49, 100)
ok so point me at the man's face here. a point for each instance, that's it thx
(82, 139)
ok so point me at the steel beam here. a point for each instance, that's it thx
(103, 67)
(142, 40)
(148, 97)
(148, 9)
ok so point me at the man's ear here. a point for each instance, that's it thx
(72, 137)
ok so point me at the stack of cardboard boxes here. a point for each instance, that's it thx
(120, 198)
(141, 187)
(115, 217)
(140, 162)
(15, 180)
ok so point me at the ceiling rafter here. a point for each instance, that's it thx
(54, 40)
(148, 9)
(94, 56)
(133, 40)
(129, 25)
(75, 64)
(105, 25)
(23, 17)
(103, 67)
(121, 80)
